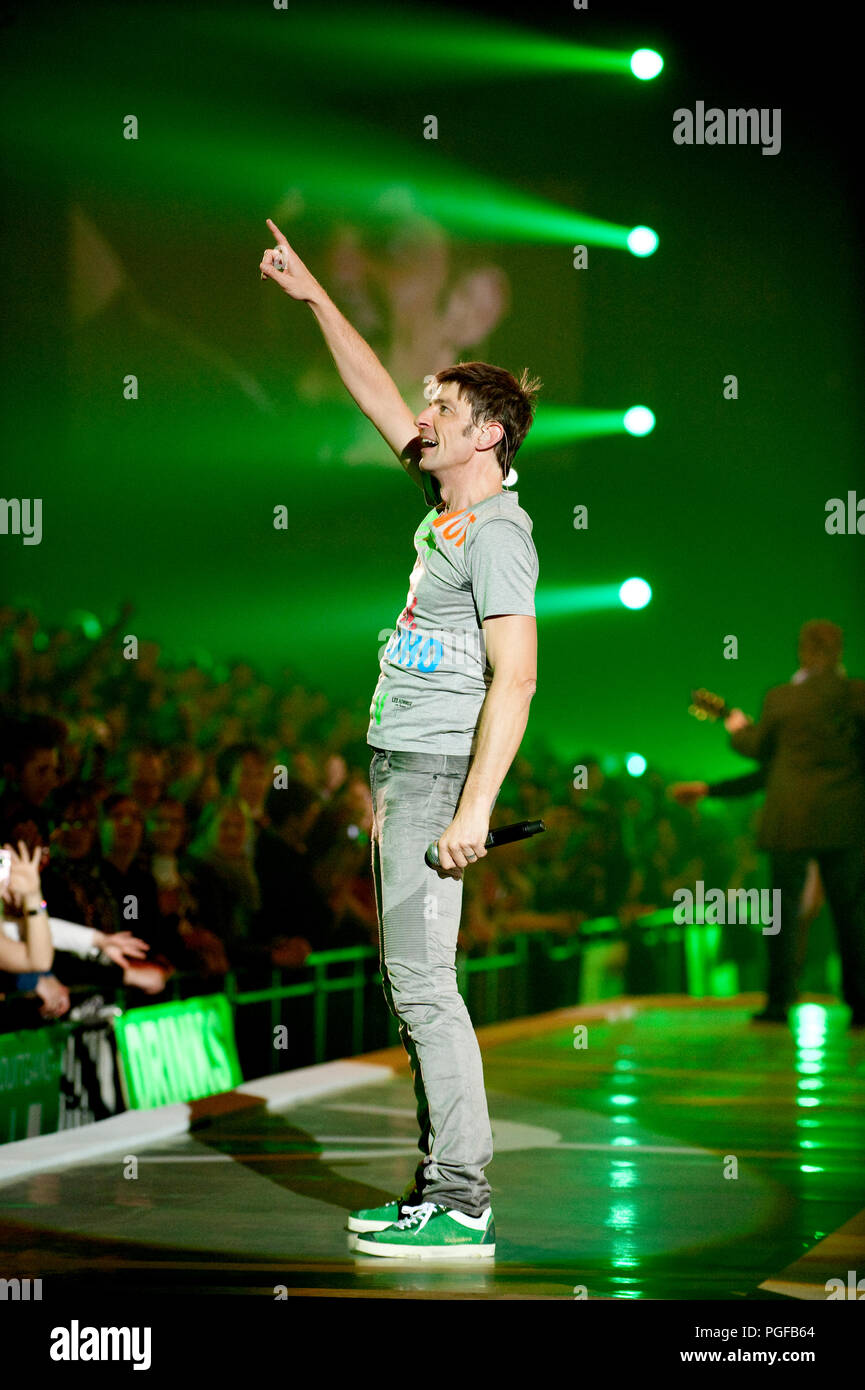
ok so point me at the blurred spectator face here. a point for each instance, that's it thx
(335, 772)
(148, 659)
(358, 801)
(251, 781)
(231, 833)
(76, 832)
(116, 719)
(73, 756)
(242, 677)
(286, 731)
(167, 826)
(209, 790)
(39, 775)
(124, 828)
(305, 769)
(594, 778)
(188, 762)
(146, 778)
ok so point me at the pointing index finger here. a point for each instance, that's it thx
(277, 233)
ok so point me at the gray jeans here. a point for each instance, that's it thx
(414, 797)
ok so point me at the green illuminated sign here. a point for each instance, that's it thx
(30, 1083)
(176, 1052)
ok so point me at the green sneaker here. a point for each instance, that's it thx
(377, 1218)
(433, 1232)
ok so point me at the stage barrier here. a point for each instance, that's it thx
(114, 1055)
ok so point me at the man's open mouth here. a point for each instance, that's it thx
(428, 443)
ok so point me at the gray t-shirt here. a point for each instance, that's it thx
(471, 565)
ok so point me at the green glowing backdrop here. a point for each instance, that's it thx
(138, 257)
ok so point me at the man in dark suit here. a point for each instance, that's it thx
(811, 737)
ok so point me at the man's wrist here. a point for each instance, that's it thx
(319, 300)
(478, 798)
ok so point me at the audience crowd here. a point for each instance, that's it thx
(205, 820)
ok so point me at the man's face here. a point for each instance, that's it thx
(39, 775)
(447, 420)
(231, 834)
(167, 825)
(147, 778)
(252, 781)
(77, 831)
(124, 827)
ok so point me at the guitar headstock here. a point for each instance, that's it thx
(706, 705)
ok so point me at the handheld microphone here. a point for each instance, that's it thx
(503, 835)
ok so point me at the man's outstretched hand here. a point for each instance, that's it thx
(295, 279)
(688, 793)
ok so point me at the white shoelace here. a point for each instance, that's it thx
(418, 1214)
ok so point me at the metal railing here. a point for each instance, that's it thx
(527, 973)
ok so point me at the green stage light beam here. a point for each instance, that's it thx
(559, 602)
(443, 42)
(368, 611)
(555, 425)
(226, 436)
(335, 165)
(338, 168)
(582, 598)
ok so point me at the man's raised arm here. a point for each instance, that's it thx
(363, 376)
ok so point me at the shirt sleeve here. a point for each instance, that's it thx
(503, 564)
(740, 786)
(65, 936)
(757, 740)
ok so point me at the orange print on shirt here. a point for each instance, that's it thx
(458, 524)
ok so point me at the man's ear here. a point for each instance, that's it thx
(492, 434)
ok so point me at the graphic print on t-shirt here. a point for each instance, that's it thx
(456, 525)
(470, 564)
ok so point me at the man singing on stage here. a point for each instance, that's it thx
(446, 720)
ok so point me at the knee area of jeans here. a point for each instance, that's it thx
(428, 1013)
(423, 981)
(425, 993)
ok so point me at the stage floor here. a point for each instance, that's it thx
(612, 1176)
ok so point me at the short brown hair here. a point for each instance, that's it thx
(821, 642)
(494, 394)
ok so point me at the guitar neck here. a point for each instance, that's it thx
(706, 705)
